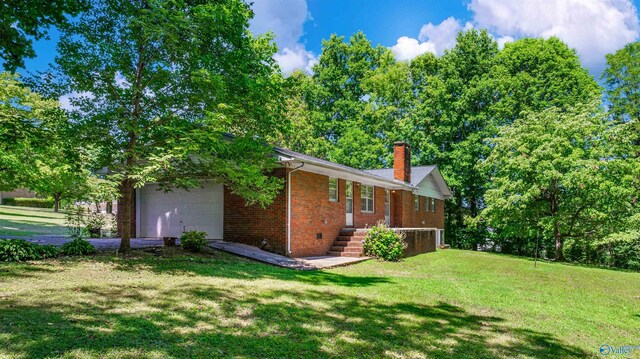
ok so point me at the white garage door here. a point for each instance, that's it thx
(169, 214)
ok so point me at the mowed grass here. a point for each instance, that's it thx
(448, 304)
(25, 221)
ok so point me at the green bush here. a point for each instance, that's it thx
(384, 243)
(620, 250)
(47, 251)
(77, 247)
(17, 250)
(193, 241)
(28, 202)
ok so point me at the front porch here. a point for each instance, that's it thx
(349, 242)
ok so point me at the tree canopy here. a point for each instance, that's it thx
(157, 85)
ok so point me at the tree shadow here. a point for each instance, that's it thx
(220, 264)
(192, 320)
(25, 270)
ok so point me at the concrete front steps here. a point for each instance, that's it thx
(348, 243)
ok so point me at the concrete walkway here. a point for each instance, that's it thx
(305, 263)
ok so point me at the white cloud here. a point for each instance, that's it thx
(432, 38)
(593, 27)
(503, 40)
(294, 59)
(285, 18)
(443, 35)
(407, 48)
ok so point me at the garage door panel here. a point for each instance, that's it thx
(167, 214)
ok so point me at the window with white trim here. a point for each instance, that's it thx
(366, 199)
(333, 189)
(416, 202)
(433, 204)
(427, 202)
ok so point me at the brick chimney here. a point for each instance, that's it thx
(401, 161)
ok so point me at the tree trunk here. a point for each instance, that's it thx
(56, 202)
(125, 215)
(558, 238)
(110, 207)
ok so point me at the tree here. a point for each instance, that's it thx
(450, 121)
(535, 74)
(22, 20)
(341, 108)
(622, 81)
(159, 82)
(551, 176)
(27, 123)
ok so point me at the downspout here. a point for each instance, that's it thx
(289, 207)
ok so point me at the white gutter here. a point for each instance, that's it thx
(289, 207)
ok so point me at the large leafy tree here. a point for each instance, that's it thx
(341, 106)
(158, 82)
(28, 122)
(22, 21)
(448, 121)
(551, 178)
(534, 74)
(622, 81)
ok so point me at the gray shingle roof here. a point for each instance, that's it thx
(418, 173)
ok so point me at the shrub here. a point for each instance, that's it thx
(94, 222)
(77, 247)
(28, 202)
(47, 251)
(76, 223)
(17, 250)
(384, 243)
(193, 241)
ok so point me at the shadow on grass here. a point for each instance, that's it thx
(25, 270)
(216, 263)
(191, 320)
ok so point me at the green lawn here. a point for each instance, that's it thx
(445, 304)
(25, 221)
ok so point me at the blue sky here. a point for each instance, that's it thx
(411, 27)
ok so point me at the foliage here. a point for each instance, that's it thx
(28, 202)
(160, 94)
(194, 241)
(20, 22)
(384, 243)
(28, 125)
(94, 222)
(77, 247)
(550, 178)
(17, 250)
(622, 82)
(75, 222)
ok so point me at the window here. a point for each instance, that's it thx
(333, 189)
(416, 202)
(433, 204)
(366, 199)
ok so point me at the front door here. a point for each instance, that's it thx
(387, 207)
(349, 203)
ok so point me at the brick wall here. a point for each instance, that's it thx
(261, 227)
(313, 215)
(405, 215)
(316, 221)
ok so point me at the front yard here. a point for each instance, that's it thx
(445, 304)
(25, 221)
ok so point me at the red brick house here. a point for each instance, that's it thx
(318, 204)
